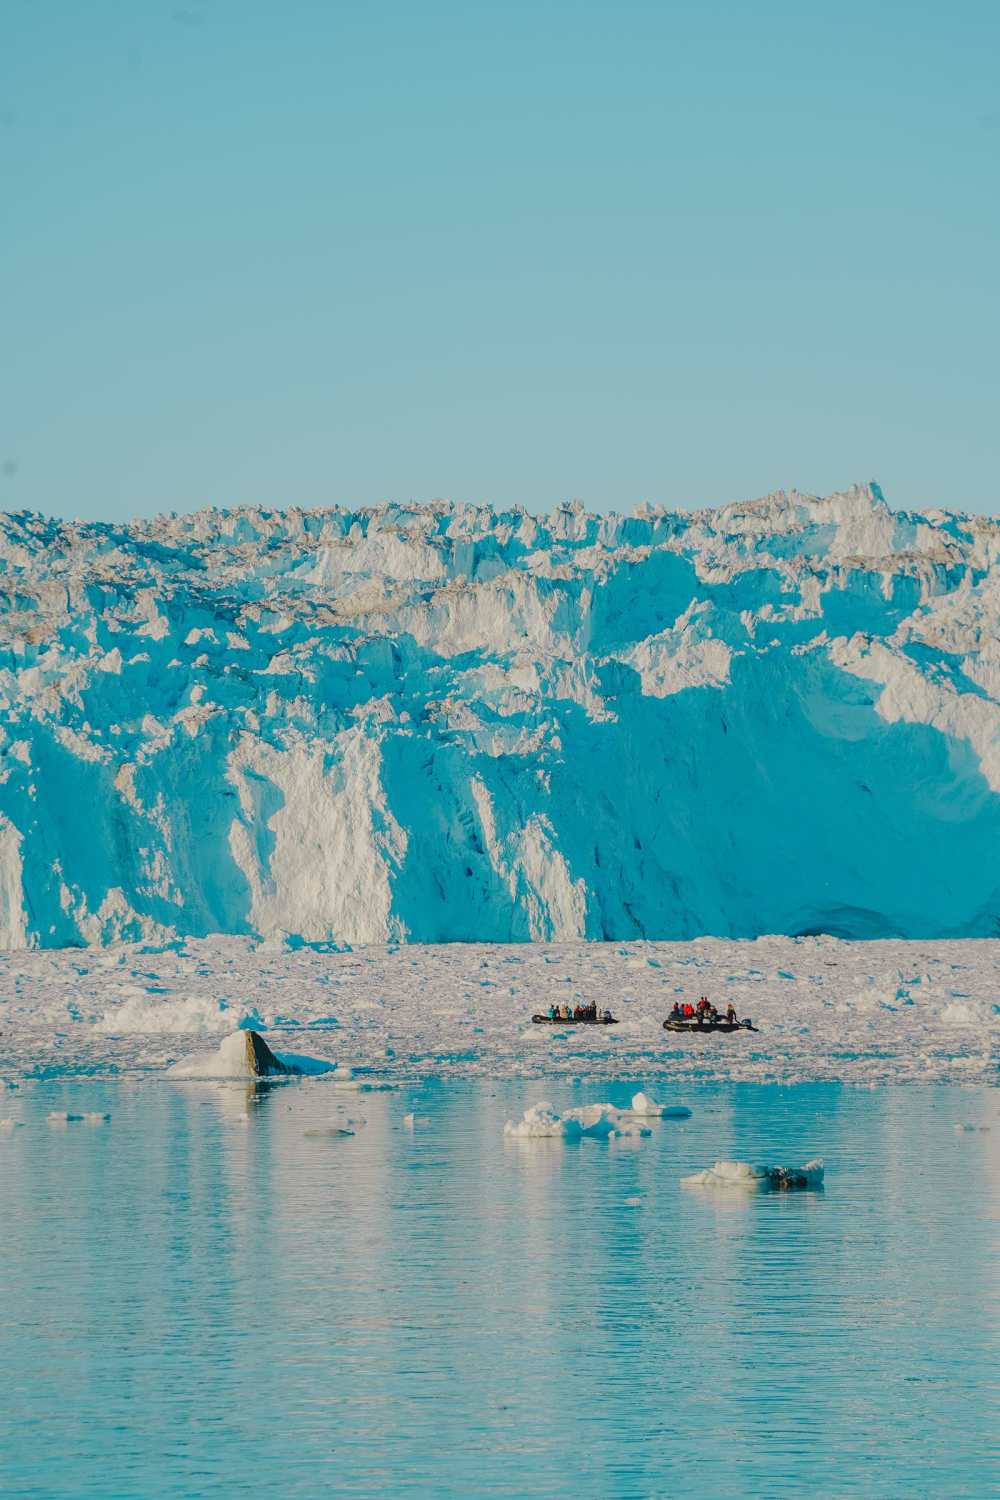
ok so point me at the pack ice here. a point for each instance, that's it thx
(447, 723)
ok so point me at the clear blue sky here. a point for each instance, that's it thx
(317, 253)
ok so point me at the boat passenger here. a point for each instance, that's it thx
(676, 1013)
(607, 1018)
(688, 1010)
(553, 1013)
(731, 1013)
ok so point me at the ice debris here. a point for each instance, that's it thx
(740, 1174)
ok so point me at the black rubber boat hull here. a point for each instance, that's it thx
(548, 1021)
(699, 1028)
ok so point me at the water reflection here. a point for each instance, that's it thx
(442, 1310)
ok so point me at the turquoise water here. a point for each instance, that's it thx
(199, 1300)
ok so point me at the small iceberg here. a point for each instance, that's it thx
(597, 1121)
(642, 1104)
(740, 1174)
(10, 1124)
(62, 1117)
(245, 1054)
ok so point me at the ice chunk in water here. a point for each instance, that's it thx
(598, 1121)
(540, 1120)
(740, 1174)
(642, 1104)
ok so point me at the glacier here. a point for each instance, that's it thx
(444, 723)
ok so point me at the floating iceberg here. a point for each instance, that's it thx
(740, 1174)
(598, 1121)
(539, 1121)
(642, 1104)
(245, 1054)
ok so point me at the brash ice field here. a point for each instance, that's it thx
(859, 1013)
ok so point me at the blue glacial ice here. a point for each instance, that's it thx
(445, 723)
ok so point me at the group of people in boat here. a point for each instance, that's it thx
(704, 1011)
(579, 1013)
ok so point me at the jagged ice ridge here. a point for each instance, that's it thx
(444, 723)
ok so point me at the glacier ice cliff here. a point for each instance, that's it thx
(444, 723)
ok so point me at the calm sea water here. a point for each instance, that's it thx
(197, 1299)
